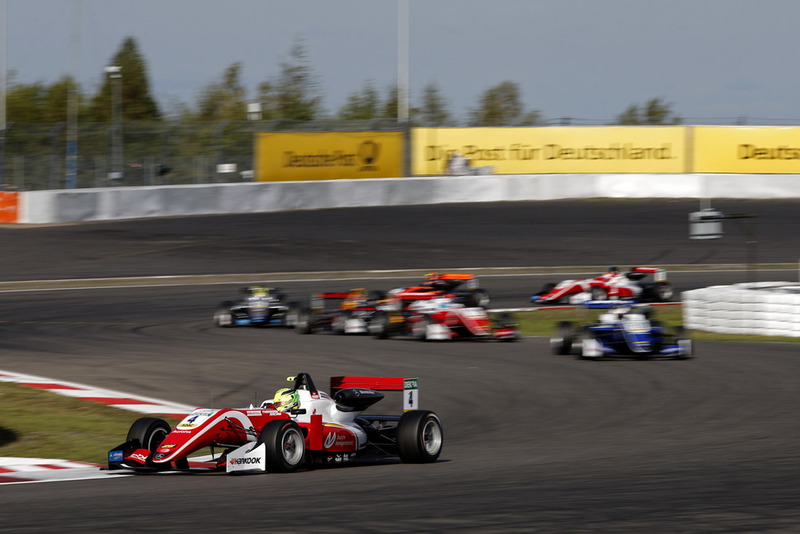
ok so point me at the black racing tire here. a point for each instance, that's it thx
(304, 323)
(598, 293)
(149, 432)
(338, 321)
(419, 329)
(685, 342)
(290, 315)
(479, 298)
(586, 333)
(223, 316)
(663, 291)
(419, 437)
(285, 445)
(562, 339)
(379, 325)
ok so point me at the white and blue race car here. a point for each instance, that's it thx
(624, 329)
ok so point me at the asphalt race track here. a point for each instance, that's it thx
(533, 442)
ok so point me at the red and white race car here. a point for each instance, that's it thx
(301, 426)
(612, 285)
(439, 318)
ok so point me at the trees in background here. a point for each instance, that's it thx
(294, 94)
(653, 112)
(137, 102)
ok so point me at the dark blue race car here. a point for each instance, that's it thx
(259, 306)
(623, 329)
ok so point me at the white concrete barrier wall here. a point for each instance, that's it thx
(60, 206)
(764, 308)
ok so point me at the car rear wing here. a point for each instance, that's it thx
(659, 274)
(409, 386)
(319, 300)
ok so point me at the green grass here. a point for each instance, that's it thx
(41, 424)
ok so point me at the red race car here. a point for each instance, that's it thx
(614, 285)
(439, 318)
(300, 426)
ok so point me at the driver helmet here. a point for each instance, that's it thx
(613, 270)
(431, 277)
(285, 399)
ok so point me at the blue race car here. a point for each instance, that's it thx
(623, 330)
(259, 306)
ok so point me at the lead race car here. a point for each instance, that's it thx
(632, 285)
(301, 426)
(624, 330)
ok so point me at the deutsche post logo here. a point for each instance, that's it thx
(368, 154)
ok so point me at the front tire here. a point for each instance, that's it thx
(685, 343)
(561, 342)
(419, 437)
(304, 324)
(149, 432)
(379, 325)
(285, 446)
(223, 316)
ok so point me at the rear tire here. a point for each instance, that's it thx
(663, 291)
(285, 445)
(419, 437)
(598, 293)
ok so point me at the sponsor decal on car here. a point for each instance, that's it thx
(115, 456)
(244, 461)
(334, 440)
(139, 457)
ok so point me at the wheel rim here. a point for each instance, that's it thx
(155, 439)
(431, 437)
(665, 293)
(292, 447)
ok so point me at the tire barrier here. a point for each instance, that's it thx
(762, 308)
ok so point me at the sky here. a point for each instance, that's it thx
(584, 59)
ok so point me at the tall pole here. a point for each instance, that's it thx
(402, 61)
(115, 74)
(71, 167)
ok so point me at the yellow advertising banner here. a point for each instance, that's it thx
(293, 156)
(747, 149)
(569, 149)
